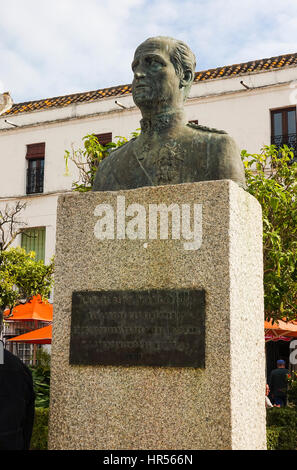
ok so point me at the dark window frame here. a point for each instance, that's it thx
(35, 169)
(285, 137)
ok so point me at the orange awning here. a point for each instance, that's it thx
(36, 309)
(40, 336)
(280, 329)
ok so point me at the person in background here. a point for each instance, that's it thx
(268, 403)
(278, 383)
(17, 401)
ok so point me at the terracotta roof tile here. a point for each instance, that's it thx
(219, 72)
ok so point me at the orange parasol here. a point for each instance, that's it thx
(35, 309)
(280, 330)
(40, 336)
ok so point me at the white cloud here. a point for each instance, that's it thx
(64, 46)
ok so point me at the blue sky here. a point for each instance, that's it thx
(55, 47)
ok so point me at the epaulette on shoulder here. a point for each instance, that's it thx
(205, 128)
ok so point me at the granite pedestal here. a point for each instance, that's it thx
(218, 405)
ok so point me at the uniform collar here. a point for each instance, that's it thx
(162, 121)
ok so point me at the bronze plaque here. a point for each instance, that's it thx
(138, 328)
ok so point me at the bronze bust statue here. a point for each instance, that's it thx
(168, 150)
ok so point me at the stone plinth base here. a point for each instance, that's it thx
(220, 406)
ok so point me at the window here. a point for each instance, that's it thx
(33, 239)
(35, 171)
(104, 139)
(25, 353)
(283, 128)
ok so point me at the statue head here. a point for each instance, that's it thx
(164, 70)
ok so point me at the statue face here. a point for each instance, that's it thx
(155, 82)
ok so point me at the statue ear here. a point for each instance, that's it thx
(187, 78)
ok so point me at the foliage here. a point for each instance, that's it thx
(272, 437)
(41, 379)
(281, 438)
(22, 277)
(88, 158)
(282, 428)
(272, 178)
(286, 416)
(287, 439)
(292, 390)
(40, 429)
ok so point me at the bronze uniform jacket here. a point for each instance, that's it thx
(199, 154)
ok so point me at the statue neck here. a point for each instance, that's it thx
(162, 122)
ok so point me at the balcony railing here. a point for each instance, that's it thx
(290, 140)
(35, 180)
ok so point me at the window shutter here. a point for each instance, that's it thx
(35, 151)
(33, 239)
(104, 139)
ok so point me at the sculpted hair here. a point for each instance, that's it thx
(184, 61)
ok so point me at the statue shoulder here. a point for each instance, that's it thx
(114, 156)
(205, 128)
(124, 147)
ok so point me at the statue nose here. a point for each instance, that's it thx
(139, 74)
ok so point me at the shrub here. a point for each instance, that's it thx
(273, 437)
(281, 429)
(41, 379)
(292, 389)
(40, 429)
(282, 417)
(287, 439)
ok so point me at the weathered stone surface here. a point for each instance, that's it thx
(116, 407)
